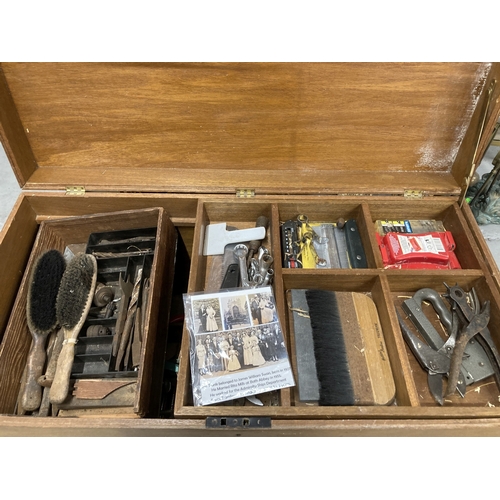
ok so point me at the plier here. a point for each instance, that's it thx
(476, 325)
(435, 362)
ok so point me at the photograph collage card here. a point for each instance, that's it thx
(237, 347)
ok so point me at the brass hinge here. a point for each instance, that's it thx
(75, 190)
(413, 194)
(245, 193)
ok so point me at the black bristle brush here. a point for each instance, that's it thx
(340, 349)
(332, 364)
(73, 303)
(42, 320)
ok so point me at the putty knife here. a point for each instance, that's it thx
(217, 237)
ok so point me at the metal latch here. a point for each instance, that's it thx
(245, 193)
(75, 190)
(238, 423)
(413, 194)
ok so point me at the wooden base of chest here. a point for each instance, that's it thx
(414, 412)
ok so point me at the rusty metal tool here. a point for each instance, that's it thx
(477, 324)
(127, 358)
(254, 245)
(129, 322)
(146, 287)
(137, 339)
(126, 288)
(475, 364)
(470, 314)
(437, 364)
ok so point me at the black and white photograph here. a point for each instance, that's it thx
(233, 353)
(263, 308)
(235, 312)
(224, 352)
(208, 316)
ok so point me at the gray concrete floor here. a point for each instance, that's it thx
(9, 191)
(9, 188)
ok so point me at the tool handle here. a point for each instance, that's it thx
(136, 341)
(253, 245)
(36, 360)
(455, 364)
(125, 337)
(232, 277)
(46, 379)
(355, 250)
(60, 385)
(253, 233)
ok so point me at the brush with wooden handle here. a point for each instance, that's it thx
(47, 378)
(73, 303)
(42, 320)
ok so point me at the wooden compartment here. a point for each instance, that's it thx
(384, 286)
(206, 143)
(74, 232)
(483, 393)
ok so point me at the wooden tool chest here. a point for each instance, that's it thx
(209, 143)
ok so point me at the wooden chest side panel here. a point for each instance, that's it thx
(17, 338)
(16, 240)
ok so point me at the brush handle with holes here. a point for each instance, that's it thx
(46, 379)
(32, 395)
(60, 385)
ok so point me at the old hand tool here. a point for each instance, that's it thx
(469, 312)
(230, 266)
(475, 364)
(436, 363)
(477, 324)
(241, 252)
(129, 322)
(254, 245)
(136, 341)
(217, 237)
(126, 288)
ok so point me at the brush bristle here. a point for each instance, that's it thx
(42, 292)
(329, 349)
(76, 285)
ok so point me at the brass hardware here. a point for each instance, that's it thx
(413, 194)
(75, 190)
(245, 193)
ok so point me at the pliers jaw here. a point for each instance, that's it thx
(436, 363)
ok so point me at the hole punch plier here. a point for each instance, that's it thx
(435, 362)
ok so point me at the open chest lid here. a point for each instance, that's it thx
(274, 128)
